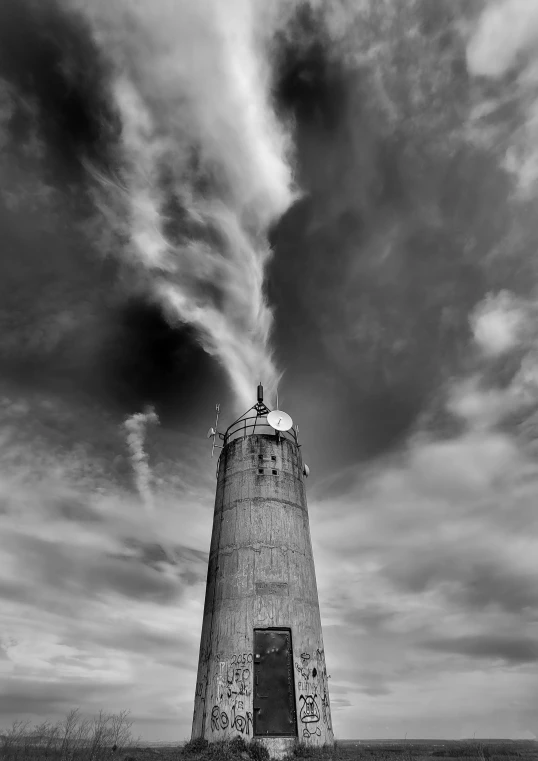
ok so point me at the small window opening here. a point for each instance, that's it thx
(260, 457)
(273, 457)
(275, 472)
(260, 470)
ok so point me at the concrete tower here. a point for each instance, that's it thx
(261, 670)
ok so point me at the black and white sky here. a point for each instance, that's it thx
(336, 198)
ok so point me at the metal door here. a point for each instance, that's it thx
(274, 694)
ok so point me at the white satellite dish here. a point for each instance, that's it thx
(279, 420)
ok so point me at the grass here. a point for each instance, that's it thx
(108, 736)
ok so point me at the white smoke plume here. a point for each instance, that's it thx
(206, 165)
(135, 427)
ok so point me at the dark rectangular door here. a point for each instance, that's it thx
(274, 694)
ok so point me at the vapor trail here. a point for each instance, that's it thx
(205, 166)
(135, 427)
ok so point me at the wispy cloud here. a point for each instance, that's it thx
(205, 167)
(427, 556)
(506, 30)
(497, 323)
(503, 45)
(135, 427)
(87, 573)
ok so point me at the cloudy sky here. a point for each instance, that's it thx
(338, 199)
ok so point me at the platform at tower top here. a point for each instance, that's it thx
(247, 425)
(256, 424)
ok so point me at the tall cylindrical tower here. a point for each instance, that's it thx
(261, 671)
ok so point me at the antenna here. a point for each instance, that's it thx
(212, 433)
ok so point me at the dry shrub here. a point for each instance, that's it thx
(73, 739)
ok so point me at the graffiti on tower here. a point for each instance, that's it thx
(312, 674)
(309, 710)
(309, 715)
(231, 690)
(241, 721)
(326, 711)
(219, 719)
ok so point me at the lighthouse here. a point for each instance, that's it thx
(261, 669)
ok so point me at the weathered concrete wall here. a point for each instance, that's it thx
(261, 574)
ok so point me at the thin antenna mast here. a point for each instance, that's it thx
(212, 433)
(217, 410)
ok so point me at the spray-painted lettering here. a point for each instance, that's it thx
(219, 719)
(241, 659)
(241, 722)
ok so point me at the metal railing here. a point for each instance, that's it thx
(252, 424)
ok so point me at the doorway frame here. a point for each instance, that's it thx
(288, 631)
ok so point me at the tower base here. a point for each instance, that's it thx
(278, 747)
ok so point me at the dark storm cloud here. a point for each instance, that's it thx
(76, 510)
(69, 319)
(374, 692)
(191, 564)
(74, 571)
(53, 284)
(47, 53)
(340, 703)
(367, 618)
(46, 698)
(146, 360)
(174, 648)
(378, 266)
(465, 579)
(514, 650)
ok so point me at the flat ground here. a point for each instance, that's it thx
(363, 750)
(345, 750)
(422, 750)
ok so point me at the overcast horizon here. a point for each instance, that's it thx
(337, 198)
